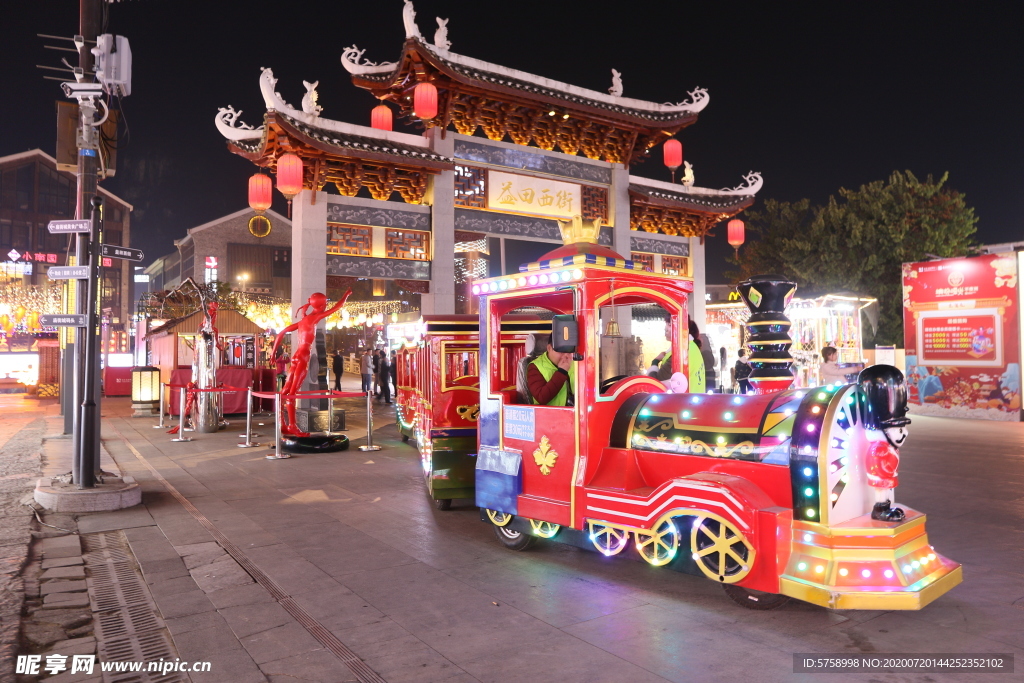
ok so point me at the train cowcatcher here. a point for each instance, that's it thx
(785, 493)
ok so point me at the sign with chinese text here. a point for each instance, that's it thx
(960, 326)
(519, 423)
(73, 226)
(532, 195)
(126, 253)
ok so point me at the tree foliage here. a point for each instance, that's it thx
(857, 241)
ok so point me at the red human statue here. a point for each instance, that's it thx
(315, 310)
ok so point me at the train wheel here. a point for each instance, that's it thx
(658, 546)
(499, 518)
(544, 529)
(608, 540)
(443, 503)
(722, 552)
(751, 599)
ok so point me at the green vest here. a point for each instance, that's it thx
(696, 380)
(548, 370)
(698, 384)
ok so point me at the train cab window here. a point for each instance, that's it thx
(647, 349)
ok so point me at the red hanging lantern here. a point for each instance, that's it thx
(260, 189)
(673, 151)
(424, 101)
(736, 235)
(381, 118)
(289, 177)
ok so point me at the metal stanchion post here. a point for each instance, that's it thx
(161, 424)
(330, 415)
(369, 426)
(248, 424)
(181, 417)
(277, 454)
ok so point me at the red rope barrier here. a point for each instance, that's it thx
(312, 394)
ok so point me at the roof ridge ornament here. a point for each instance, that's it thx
(699, 99)
(754, 183)
(441, 35)
(350, 59)
(309, 100)
(616, 89)
(409, 19)
(271, 97)
(231, 128)
(688, 177)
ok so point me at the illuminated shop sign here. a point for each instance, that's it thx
(531, 195)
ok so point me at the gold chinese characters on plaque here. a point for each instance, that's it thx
(535, 196)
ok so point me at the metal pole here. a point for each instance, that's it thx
(181, 417)
(369, 426)
(277, 454)
(330, 415)
(248, 424)
(161, 425)
(89, 420)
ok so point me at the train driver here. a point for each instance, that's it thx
(551, 376)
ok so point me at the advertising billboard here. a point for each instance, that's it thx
(962, 337)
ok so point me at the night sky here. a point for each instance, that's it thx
(816, 96)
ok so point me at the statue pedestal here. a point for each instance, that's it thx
(316, 420)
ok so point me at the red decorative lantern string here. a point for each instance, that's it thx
(289, 177)
(261, 188)
(736, 235)
(381, 118)
(673, 155)
(424, 101)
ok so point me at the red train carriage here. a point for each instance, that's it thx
(439, 395)
(770, 495)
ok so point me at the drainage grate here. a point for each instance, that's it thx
(138, 618)
(127, 626)
(106, 546)
(142, 647)
(114, 586)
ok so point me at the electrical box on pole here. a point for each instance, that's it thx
(114, 64)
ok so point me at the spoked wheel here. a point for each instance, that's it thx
(722, 552)
(544, 529)
(443, 503)
(510, 538)
(658, 546)
(608, 540)
(752, 599)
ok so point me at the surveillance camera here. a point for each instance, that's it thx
(81, 90)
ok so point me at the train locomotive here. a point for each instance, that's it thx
(787, 493)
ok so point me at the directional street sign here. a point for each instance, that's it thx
(69, 226)
(63, 320)
(122, 252)
(68, 273)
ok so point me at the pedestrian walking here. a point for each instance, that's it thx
(339, 367)
(282, 363)
(366, 370)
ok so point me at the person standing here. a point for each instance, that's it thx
(339, 367)
(742, 372)
(375, 356)
(394, 373)
(366, 370)
(384, 377)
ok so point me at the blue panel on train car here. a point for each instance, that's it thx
(498, 479)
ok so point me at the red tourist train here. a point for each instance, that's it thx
(781, 494)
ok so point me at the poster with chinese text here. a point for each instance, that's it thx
(960, 326)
